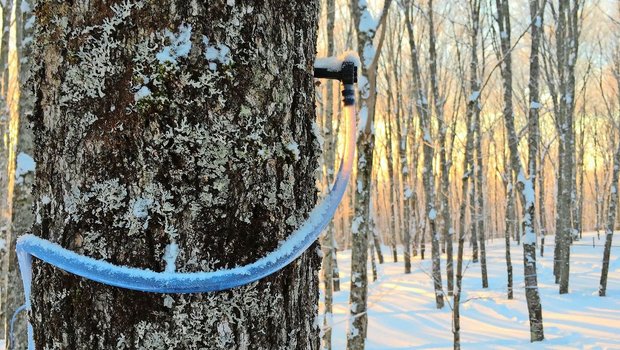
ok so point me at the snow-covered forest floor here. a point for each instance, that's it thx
(402, 313)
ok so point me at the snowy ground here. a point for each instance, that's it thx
(402, 313)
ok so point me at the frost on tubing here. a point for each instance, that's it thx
(343, 69)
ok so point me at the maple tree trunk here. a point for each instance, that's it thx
(155, 129)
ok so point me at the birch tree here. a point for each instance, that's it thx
(456, 318)
(174, 136)
(506, 176)
(478, 209)
(611, 222)
(366, 28)
(613, 200)
(544, 228)
(474, 109)
(438, 102)
(329, 241)
(428, 177)
(393, 212)
(401, 125)
(560, 76)
(5, 154)
(21, 214)
(468, 159)
(402, 132)
(525, 185)
(536, 18)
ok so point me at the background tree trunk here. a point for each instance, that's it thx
(6, 177)
(479, 219)
(22, 202)
(444, 186)
(613, 197)
(611, 221)
(361, 227)
(329, 242)
(402, 134)
(541, 197)
(561, 83)
(428, 177)
(467, 161)
(162, 125)
(473, 109)
(526, 189)
(510, 210)
(536, 16)
(393, 208)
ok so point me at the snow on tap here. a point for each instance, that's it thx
(334, 63)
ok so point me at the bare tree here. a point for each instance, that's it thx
(543, 152)
(390, 167)
(526, 190)
(402, 126)
(537, 20)
(613, 200)
(611, 221)
(468, 160)
(22, 216)
(329, 241)
(510, 227)
(473, 111)
(395, 110)
(456, 320)
(438, 102)
(369, 53)
(478, 228)
(394, 213)
(428, 176)
(560, 76)
(7, 151)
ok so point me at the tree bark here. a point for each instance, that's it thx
(613, 200)
(428, 176)
(371, 242)
(468, 160)
(541, 200)
(403, 126)
(536, 17)
(611, 221)
(402, 134)
(22, 200)
(473, 204)
(510, 210)
(7, 151)
(393, 210)
(164, 124)
(561, 84)
(526, 190)
(467, 169)
(598, 197)
(360, 229)
(329, 243)
(480, 204)
(473, 109)
(439, 101)
(579, 174)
